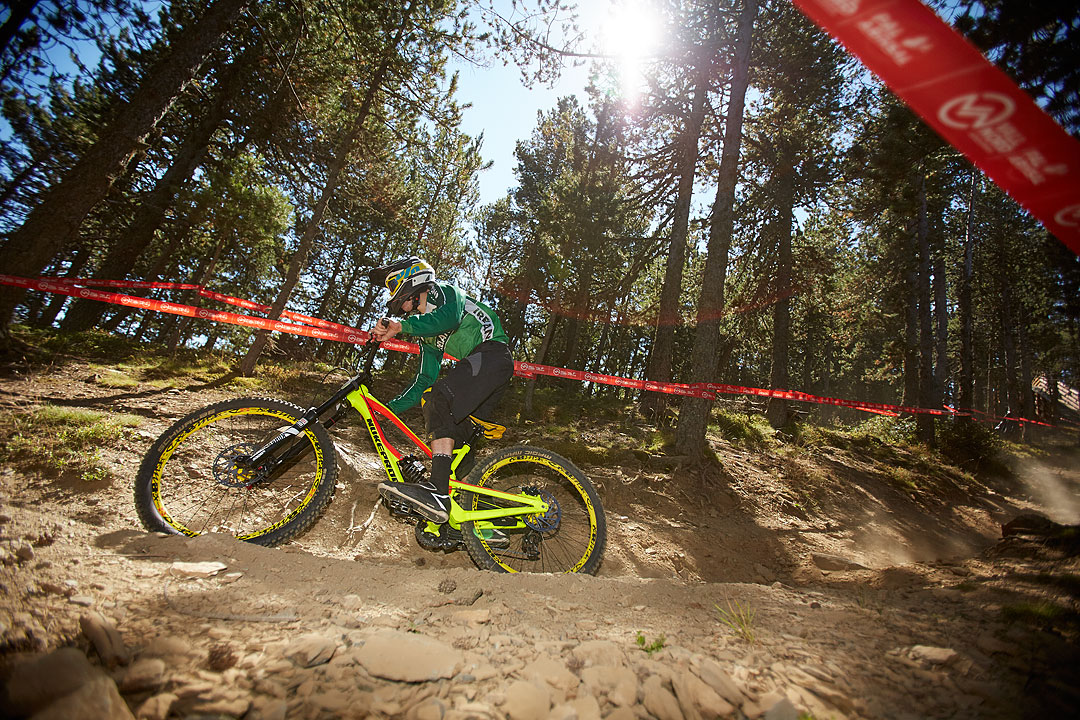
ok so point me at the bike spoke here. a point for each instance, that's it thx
(555, 542)
(202, 493)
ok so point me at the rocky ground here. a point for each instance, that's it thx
(785, 583)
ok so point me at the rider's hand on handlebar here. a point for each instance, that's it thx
(385, 329)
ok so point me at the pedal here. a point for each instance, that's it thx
(418, 511)
(399, 509)
(448, 539)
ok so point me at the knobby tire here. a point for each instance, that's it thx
(187, 486)
(573, 543)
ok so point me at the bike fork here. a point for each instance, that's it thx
(266, 458)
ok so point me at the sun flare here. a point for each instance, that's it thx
(631, 33)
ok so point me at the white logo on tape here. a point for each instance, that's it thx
(1068, 216)
(976, 110)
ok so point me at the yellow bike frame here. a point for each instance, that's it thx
(368, 407)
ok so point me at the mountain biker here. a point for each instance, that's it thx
(445, 320)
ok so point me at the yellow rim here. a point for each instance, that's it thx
(573, 481)
(155, 484)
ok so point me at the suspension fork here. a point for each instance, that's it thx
(267, 458)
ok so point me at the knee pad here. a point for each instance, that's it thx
(437, 417)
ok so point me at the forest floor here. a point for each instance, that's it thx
(715, 597)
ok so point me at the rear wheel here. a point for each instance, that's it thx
(570, 537)
(190, 482)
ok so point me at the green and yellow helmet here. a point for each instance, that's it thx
(404, 279)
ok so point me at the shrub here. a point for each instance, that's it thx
(971, 445)
(886, 429)
(753, 430)
(62, 439)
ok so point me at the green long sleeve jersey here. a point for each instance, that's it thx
(454, 324)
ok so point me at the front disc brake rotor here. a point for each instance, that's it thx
(228, 473)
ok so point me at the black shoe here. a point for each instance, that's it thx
(422, 497)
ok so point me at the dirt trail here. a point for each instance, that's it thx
(930, 615)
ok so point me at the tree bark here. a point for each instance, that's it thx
(1027, 395)
(201, 273)
(925, 422)
(660, 359)
(778, 411)
(57, 218)
(20, 11)
(694, 413)
(911, 318)
(941, 321)
(541, 354)
(579, 315)
(1008, 347)
(967, 353)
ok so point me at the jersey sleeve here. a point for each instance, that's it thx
(428, 372)
(445, 318)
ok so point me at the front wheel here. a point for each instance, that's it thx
(569, 537)
(190, 483)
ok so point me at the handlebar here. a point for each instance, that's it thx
(367, 357)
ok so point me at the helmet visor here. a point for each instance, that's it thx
(394, 281)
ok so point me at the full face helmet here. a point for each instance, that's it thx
(404, 279)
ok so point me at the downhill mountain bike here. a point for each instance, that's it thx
(264, 470)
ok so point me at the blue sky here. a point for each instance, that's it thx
(504, 110)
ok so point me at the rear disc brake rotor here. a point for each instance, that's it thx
(548, 523)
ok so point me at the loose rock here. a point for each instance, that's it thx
(40, 680)
(408, 657)
(827, 561)
(98, 699)
(196, 570)
(527, 701)
(658, 700)
(311, 650)
(106, 639)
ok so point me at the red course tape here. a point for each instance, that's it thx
(343, 333)
(971, 103)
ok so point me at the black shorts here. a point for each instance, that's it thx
(473, 386)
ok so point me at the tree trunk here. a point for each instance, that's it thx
(177, 333)
(129, 247)
(57, 218)
(1008, 329)
(778, 411)
(694, 413)
(911, 320)
(601, 347)
(50, 311)
(925, 422)
(1008, 346)
(828, 412)
(20, 11)
(967, 353)
(941, 320)
(299, 259)
(1027, 396)
(660, 359)
(579, 315)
